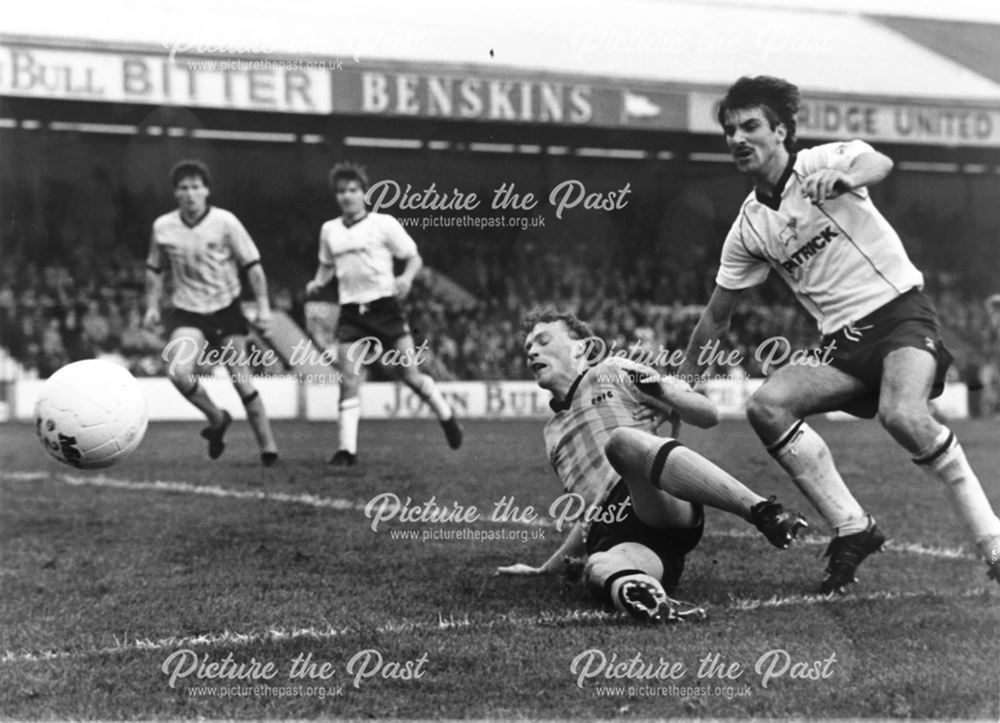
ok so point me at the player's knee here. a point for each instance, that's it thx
(765, 409)
(412, 378)
(244, 387)
(598, 564)
(623, 447)
(904, 419)
(349, 385)
(623, 556)
(181, 374)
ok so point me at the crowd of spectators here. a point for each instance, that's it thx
(72, 275)
(50, 316)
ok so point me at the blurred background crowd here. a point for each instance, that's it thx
(73, 268)
(53, 313)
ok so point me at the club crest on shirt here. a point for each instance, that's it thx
(790, 232)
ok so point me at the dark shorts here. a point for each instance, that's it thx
(670, 545)
(907, 321)
(382, 318)
(215, 326)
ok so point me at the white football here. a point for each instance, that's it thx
(91, 414)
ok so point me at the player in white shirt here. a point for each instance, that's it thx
(359, 248)
(646, 492)
(203, 249)
(810, 219)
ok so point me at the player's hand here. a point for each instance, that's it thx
(519, 568)
(151, 319)
(650, 415)
(265, 321)
(826, 185)
(403, 286)
(313, 287)
(654, 403)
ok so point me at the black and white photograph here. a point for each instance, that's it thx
(534, 360)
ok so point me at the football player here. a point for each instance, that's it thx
(644, 493)
(359, 249)
(810, 219)
(204, 249)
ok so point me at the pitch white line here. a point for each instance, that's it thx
(101, 480)
(914, 548)
(345, 505)
(780, 602)
(277, 635)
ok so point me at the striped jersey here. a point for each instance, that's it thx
(602, 399)
(841, 258)
(363, 254)
(204, 259)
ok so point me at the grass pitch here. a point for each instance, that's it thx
(121, 591)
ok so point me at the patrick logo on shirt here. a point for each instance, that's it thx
(809, 249)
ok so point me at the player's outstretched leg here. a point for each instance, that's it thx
(629, 576)
(645, 460)
(427, 390)
(906, 381)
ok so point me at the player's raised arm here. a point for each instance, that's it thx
(845, 167)
(868, 169)
(671, 396)
(693, 408)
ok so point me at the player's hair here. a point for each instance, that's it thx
(777, 98)
(190, 167)
(348, 172)
(546, 314)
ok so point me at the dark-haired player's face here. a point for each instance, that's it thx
(755, 145)
(191, 194)
(350, 197)
(554, 357)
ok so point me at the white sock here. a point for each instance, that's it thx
(429, 392)
(350, 415)
(804, 455)
(686, 474)
(945, 462)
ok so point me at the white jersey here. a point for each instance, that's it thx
(362, 255)
(841, 258)
(204, 259)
